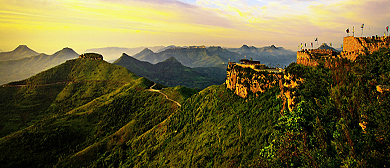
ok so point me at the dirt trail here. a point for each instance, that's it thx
(154, 90)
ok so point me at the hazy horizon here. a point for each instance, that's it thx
(48, 26)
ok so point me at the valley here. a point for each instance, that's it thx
(320, 111)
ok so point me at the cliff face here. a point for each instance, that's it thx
(244, 81)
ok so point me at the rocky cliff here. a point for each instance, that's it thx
(245, 81)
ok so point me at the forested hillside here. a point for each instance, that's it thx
(171, 72)
(340, 119)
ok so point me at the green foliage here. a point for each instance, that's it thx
(172, 73)
(339, 101)
(179, 93)
(58, 90)
(340, 120)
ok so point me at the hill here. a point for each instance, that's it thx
(113, 53)
(269, 55)
(339, 118)
(58, 89)
(70, 110)
(14, 70)
(190, 56)
(171, 72)
(22, 51)
(326, 127)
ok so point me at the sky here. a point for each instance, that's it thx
(47, 26)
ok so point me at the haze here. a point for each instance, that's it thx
(49, 25)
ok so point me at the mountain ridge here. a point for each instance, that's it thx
(269, 55)
(113, 53)
(169, 72)
(14, 70)
(22, 51)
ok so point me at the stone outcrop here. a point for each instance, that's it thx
(245, 81)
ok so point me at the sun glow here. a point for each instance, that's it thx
(49, 25)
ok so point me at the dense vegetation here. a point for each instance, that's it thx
(171, 72)
(58, 90)
(339, 120)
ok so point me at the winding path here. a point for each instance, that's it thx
(154, 90)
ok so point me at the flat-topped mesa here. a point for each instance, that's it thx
(93, 56)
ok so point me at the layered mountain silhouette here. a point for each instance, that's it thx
(22, 51)
(13, 70)
(190, 57)
(269, 55)
(78, 85)
(90, 113)
(171, 72)
(113, 53)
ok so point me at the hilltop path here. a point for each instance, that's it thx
(154, 90)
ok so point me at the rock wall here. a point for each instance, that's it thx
(244, 81)
(354, 46)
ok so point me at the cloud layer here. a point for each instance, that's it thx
(48, 25)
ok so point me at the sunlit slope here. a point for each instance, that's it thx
(88, 131)
(214, 127)
(58, 90)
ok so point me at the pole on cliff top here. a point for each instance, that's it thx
(353, 31)
(362, 29)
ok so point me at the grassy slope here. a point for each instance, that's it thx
(212, 128)
(215, 128)
(40, 96)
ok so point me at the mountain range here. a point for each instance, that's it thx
(90, 113)
(215, 56)
(22, 51)
(14, 70)
(190, 57)
(171, 72)
(113, 53)
(269, 55)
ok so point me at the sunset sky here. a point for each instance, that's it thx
(50, 25)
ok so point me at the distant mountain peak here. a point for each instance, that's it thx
(273, 47)
(23, 48)
(69, 52)
(146, 51)
(326, 46)
(245, 46)
(124, 54)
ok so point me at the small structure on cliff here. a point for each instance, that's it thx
(245, 63)
(352, 48)
(93, 56)
(249, 62)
